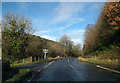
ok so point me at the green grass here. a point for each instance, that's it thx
(16, 78)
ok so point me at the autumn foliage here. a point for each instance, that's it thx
(112, 11)
(104, 35)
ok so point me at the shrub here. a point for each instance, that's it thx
(18, 77)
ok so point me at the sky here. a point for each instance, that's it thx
(51, 20)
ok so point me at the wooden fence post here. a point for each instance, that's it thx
(31, 59)
(35, 59)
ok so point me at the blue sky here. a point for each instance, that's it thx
(53, 19)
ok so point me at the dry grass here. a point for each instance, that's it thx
(29, 61)
(97, 61)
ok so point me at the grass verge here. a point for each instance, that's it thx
(97, 61)
(39, 61)
(49, 59)
(18, 77)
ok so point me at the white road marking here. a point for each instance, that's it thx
(108, 69)
(39, 70)
(46, 66)
(68, 60)
(71, 66)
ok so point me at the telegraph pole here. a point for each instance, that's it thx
(0, 43)
(0, 30)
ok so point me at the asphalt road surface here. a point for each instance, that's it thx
(69, 69)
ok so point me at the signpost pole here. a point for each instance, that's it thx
(45, 51)
(45, 56)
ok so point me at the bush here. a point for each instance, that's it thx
(18, 77)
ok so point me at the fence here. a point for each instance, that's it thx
(27, 60)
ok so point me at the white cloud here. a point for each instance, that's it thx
(77, 36)
(66, 26)
(49, 37)
(80, 19)
(41, 32)
(80, 41)
(67, 12)
(97, 6)
(76, 33)
(71, 23)
(76, 41)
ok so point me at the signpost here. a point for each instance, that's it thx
(45, 51)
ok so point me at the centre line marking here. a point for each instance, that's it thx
(68, 60)
(71, 66)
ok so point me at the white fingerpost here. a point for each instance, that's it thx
(45, 51)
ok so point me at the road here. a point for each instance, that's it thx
(69, 69)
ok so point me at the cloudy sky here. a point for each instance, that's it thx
(53, 19)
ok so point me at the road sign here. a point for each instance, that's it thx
(45, 51)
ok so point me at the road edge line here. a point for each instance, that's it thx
(42, 69)
(108, 69)
(47, 65)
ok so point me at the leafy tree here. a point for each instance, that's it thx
(90, 37)
(15, 31)
(64, 40)
(69, 48)
(112, 12)
(67, 43)
(76, 50)
(105, 32)
(55, 49)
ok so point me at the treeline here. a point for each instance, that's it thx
(103, 37)
(69, 48)
(18, 41)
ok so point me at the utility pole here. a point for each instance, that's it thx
(0, 30)
(0, 43)
(45, 51)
